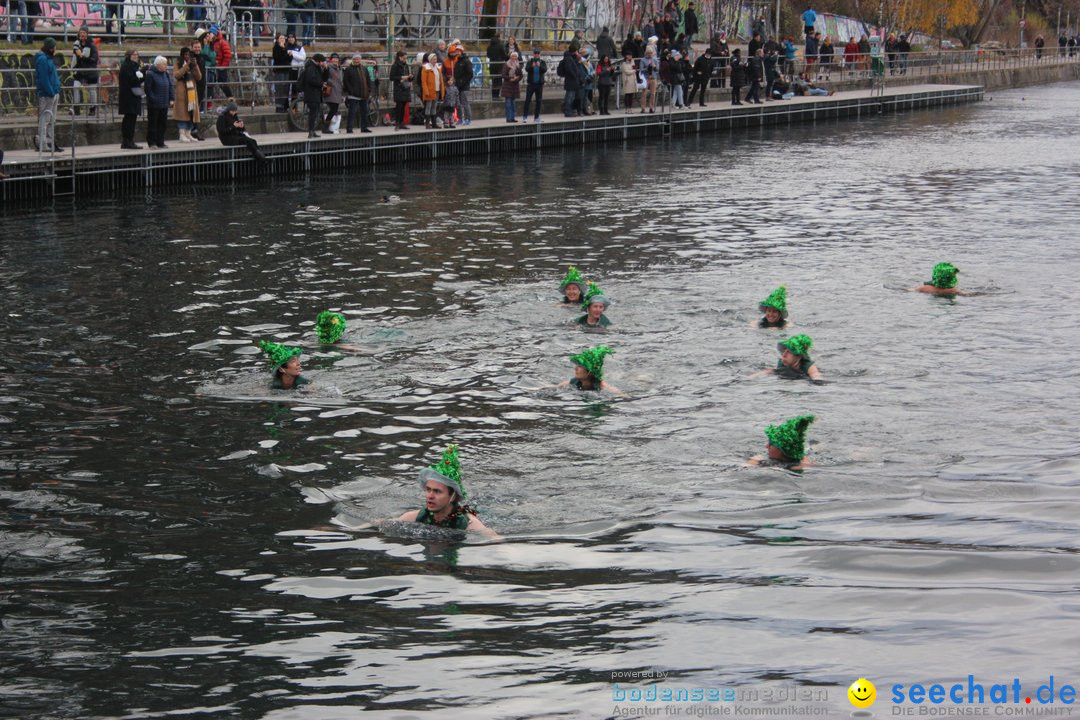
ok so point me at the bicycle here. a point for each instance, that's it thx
(298, 114)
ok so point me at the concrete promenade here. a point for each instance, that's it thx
(106, 168)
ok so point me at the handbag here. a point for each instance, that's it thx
(138, 92)
(326, 90)
(641, 84)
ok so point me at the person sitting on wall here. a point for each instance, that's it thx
(230, 130)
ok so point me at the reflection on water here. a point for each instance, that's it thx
(174, 536)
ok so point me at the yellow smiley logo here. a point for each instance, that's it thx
(862, 693)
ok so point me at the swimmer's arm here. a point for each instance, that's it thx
(814, 373)
(476, 525)
(409, 516)
(754, 461)
(802, 464)
(604, 385)
(762, 373)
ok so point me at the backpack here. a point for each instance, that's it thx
(561, 70)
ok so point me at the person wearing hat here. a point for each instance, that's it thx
(284, 362)
(786, 444)
(594, 304)
(700, 75)
(589, 371)
(573, 286)
(230, 130)
(535, 71)
(942, 281)
(312, 80)
(775, 309)
(795, 361)
(444, 497)
(48, 95)
(329, 327)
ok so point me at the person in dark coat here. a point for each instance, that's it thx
(738, 76)
(463, 77)
(573, 83)
(496, 55)
(772, 59)
(755, 77)
(230, 130)
(535, 70)
(160, 90)
(86, 62)
(130, 98)
(282, 65)
(690, 24)
(311, 81)
(357, 87)
(700, 75)
(605, 45)
(402, 81)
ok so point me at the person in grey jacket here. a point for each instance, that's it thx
(605, 45)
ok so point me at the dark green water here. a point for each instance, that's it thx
(176, 540)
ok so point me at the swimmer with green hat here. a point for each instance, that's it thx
(589, 370)
(573, 286)
(594, 305)
(775, 309)
(795, 361)
(444, 497)
(329, 327)
(942, 281)
(786, 443)
(284, 362)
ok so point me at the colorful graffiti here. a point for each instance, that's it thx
(18, 87)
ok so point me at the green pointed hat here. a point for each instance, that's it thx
(329, 326)
(777, 299)
(277, 355)
(573, 277)
(593, 360)
(790, 436)
(594, 294)
(944, 275)
(797, 344)
(447, 471)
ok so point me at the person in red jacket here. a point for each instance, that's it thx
(224, 54)
(851, 56)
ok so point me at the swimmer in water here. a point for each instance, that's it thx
(285, 364)
(444, 495)
(572, 286)
(589, 371)
(942, 281)
(795, 361)
(595, 304)
(775, 309)
(786, 444)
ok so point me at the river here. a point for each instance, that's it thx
(177, 540)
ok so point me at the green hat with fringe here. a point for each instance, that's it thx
(790, 436)
(593, 360)
(329, 326)
(594, 294)
(944, 275)
(777, 300)
(277, 355)
(797, 344)
(573, 277)
(447, 471)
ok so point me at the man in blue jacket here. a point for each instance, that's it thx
(48, 95)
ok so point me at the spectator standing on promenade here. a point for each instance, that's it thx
(130, 98)
(440, 51)
(282, 63)
(721, 55)
(809, 19)
(463, 77)
(1063, 40)
(650, 68)
(159, 85)
(115, 9)
(755, 77)
(535, 70)
(86, 62)
(753, 46)
(701, 73)
(209, 64)
(450, 99)
(200, 84)
(738, 76)
(605, 45)
(230, 130)
(864, 54)
(825, 58)
(511, 85)
(496, 55)
(335, 97)
(432, 89)
(628, 76)
(1040, 43)
(789, 56)
(223, 55)
(851, 56)
(605, 81)
(686, 71)
(357, 87)
(186, 102)
(311, 81)
(588, 73)
(771, 72)
(401, 79)
(892, 47)
(810, 51)
(512, 47)
(48, 95)
(690, 23)
(903, 47)
(297, 61)
(569, 69)
(635, 45)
